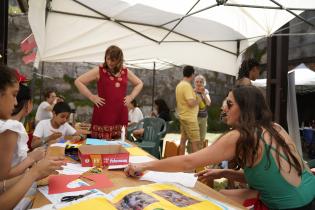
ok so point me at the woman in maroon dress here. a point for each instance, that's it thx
(110, 104)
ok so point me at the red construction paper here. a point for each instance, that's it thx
(58, 183)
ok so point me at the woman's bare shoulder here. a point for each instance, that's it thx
(243, 81)
(232, 136)
(8, 134)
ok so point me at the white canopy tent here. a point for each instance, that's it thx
(300, 79)
(304, 79)
(150, 64)
(209, 34)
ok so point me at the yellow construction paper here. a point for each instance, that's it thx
(94, 203)
(151, 197)
(163, 203)
(136, 151)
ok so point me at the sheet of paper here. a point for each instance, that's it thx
(61, 183)
(136, 151)
(164, 196)
(72, 169)
(185, 179)
(56, 198)
(124, 144)
(97, 142)
(92, 141)
(58, 145)
(93, 203)
(116, 167)
(62, 141)
(140, 159)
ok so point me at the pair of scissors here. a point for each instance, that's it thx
(75, 197)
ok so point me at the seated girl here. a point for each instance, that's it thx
(13, 190)
(162, 111)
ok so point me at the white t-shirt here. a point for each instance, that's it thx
(20, 152)
(41, 113)
(19, 155)
(135, 115)
(44, 129)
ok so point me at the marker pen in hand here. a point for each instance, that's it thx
(138, 174)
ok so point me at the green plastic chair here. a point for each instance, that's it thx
(130, 129)
(154, 130)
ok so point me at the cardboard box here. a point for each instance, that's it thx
(103, 155)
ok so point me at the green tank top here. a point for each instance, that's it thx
(274, 190)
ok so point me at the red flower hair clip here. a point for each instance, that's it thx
(20, 77)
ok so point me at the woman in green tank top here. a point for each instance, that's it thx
(275, 172)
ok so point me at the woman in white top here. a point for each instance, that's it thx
(13, 190)
(44, 110)
(21, 159)
(134, 114)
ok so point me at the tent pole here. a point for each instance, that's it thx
(42, 82)
(33, 82)
(153, 86)
(277, 83)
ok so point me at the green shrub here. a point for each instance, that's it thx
(174, 126)
(215, 125)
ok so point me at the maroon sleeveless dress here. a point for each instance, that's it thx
(108, 119)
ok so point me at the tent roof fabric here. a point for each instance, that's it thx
(304, 77)
(203, 34)
(150, 64)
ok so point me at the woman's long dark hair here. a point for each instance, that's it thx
(23, 97)
(161, 106)
(255, 115)
(8, 77)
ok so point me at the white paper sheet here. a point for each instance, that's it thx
(185, 179)
(116, 167)
(72, 169)
(139, 159)
(58, 145)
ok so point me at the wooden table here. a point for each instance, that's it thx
(120, 180)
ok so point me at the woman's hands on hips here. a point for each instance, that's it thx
(98, 101)
(127, 100)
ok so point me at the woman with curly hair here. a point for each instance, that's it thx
(248, 71)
